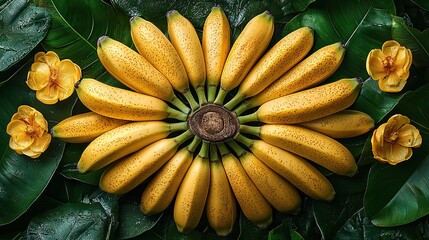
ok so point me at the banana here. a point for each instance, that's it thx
(293, 168)
(127, 173)
(192, 194)
(216, 43)
(278, 60)
(135, 72)
(221, 209)
(85, 127)
(246, 50)
(162, 189)
(308, 144)
(343, 124)
(309, 72)
(252, 203)
(282, 195)
(122, 141)
(185, 40)
(123, 104)
(309, 104)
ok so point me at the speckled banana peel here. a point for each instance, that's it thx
(309, 104)
(135, 71)
(246, 50)
(185, 40)
(252, 203)
(278, 60)
(128, 172)
(192, 194)
(344, 124)
(221, 209)
(123, 104)
(162, 188)
(292, 167)
(216, 43)
(309, 72)
(122, 141)
(309, 144)
(70, 129)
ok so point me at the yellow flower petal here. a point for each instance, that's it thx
(52, 59)
(397, 121)
(14, 146)
(39, 76)
(396, 153)
(374, 65)
(391, 83)
(409, 136)
(48, 95)
(390, 48)
(41, 144)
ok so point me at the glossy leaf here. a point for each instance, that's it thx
(413, 39)
(249, 231)
(422, 4)
(285, 231)
(22, 27)
(70, 221)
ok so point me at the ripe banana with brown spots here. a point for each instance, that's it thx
(278, 60)
(308, 144)
(135, 72)
(123, 104)
(122, 141)
(252, 203)
(309, 104)
(216, 43)
(128, 172)
(343, 124)
(246, 50)
(192, 195)
(309, 72)
(70, 129)
(162, 189)
(293, 168)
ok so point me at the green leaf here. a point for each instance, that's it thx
(132, 222)
(360, 25)
(70, 221)
(76, 27)
(422, 4)
(285, 231)
(22, 27)
(413, 39)
(249, 231)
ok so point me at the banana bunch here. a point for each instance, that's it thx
(168, 129)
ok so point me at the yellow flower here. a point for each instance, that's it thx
(29, 132)
(392, 141)
(390, 66)
(51, 78)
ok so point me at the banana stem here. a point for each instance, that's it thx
(242, 108)
(234, 101)
(178, 126)
(194, 144)
(237, 148)
(176, 114)
(220, 96)
(214, 156)
(201, 95)
(248, 118)
(244, 140)
(204, 151)
(180, 105)
(250, 129)
(222, 149)
(211, 93)
(191, 100)
(184, 136)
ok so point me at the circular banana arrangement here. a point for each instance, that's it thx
(213, 127)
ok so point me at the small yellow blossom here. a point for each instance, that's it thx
(392, 141)
(390, 66)
(51, 78)
(29, 132)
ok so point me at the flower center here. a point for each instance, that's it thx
(392, 137)
(388, 64)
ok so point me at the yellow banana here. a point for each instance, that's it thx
(343, 124)
(246, 50)
(122, 141)
(309, 72)
(278, 60)
(135, 72)
(216, 43)
(293, 168)
(309, 144)
(123, 104)
(127, 173)
(192, 194)
(309, 104)
(282, 195)
(221, 209)
(162, 189)
(85, 127)
(184, 38)
(252, 203)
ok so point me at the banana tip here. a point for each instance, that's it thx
(132, 18)
(171, 12)
(76, 85)
(101, 39)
